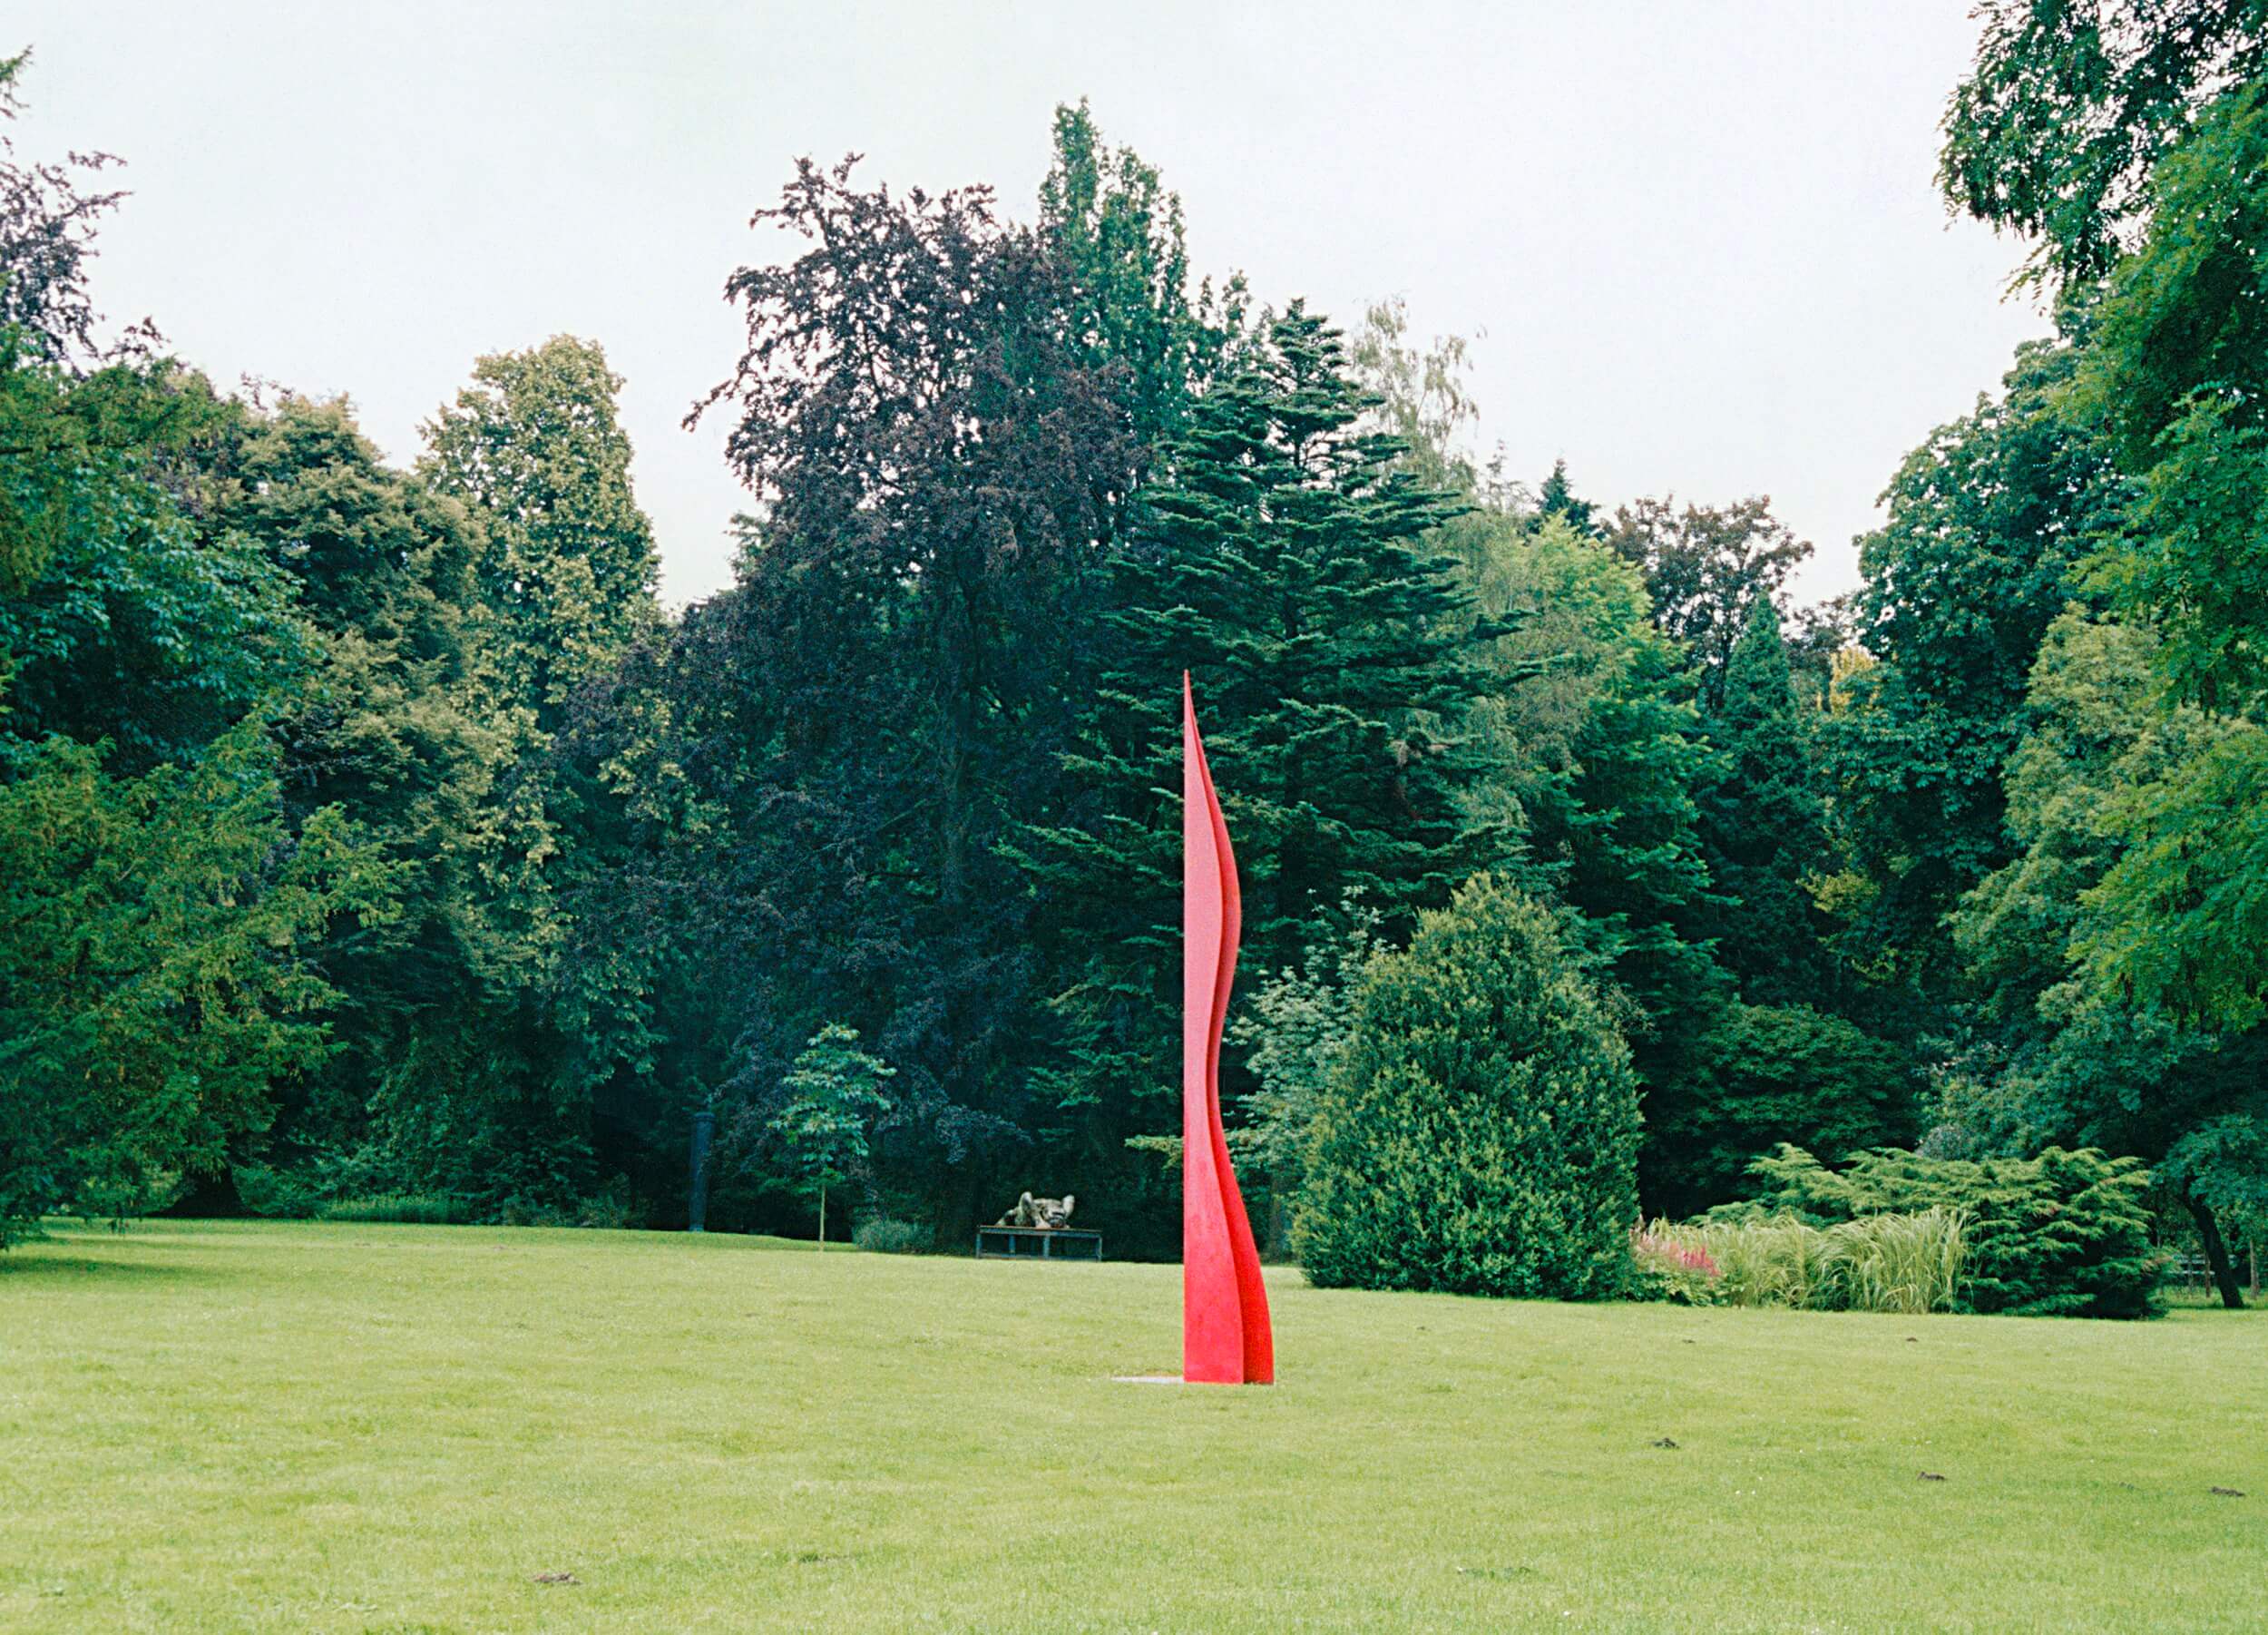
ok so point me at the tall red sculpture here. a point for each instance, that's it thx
(1225, 1336)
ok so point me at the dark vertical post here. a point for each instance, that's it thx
(2217, 1263)
(697, 1207)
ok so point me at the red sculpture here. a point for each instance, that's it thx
(1225, 1336)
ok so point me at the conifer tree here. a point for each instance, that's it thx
(1282, 562)
(1705, 567)
(1762, 823)
(1557, 498)
(1599, 752)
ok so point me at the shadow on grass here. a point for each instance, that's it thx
(85, 1255)
(16, 1268)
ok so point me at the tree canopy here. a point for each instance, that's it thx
(371, 829)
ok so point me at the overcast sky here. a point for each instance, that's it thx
(1699, 241)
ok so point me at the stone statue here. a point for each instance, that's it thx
(1039, 1214)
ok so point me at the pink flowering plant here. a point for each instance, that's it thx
(1665, 1267)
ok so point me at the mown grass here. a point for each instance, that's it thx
(387, 1428)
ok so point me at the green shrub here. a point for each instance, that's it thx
(882, 1236)
(1479, 1133)
(421, 1208)
(289, 1194)
(2065, 1234)
(1293, 1027)
(608, 1211)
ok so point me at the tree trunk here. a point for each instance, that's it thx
(2216, 1254)
(823, 1220)
(869, 1192)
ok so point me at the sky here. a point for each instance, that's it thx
(1697, 245)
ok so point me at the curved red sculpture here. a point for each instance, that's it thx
(1225, 1335)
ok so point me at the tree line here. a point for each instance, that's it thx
(368, 831)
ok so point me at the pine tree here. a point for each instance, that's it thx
(1282, 563)
(1763, 824)
(1557, 498)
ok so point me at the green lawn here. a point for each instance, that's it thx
(299, 1427)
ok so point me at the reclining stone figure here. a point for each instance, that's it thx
(1040, 1214)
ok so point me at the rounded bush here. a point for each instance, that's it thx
(1481, 1134)
(882, 1236)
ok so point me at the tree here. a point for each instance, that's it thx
(2065, 1052)
(1765, 1074)
(833, 1093)
(155, 977)
(1117, 233)
(72, 412)
(1593, 753)
(435, 1084)
(1596, 753)
(1282, 561)
(1422, 398)
(47, 231)
(165, 899)
(1821, 639)
(125, 622)
(533, 448)
(2129, 139)
(1557, 498)
(2069, 106)
(2175, 377)
(369, 552)
(1481, 1134)
(1705, 567)
(884, 696)
(1762, 821)
(1990, 521)
(2144, 1018)
(1294, 1030)
(563, 589)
